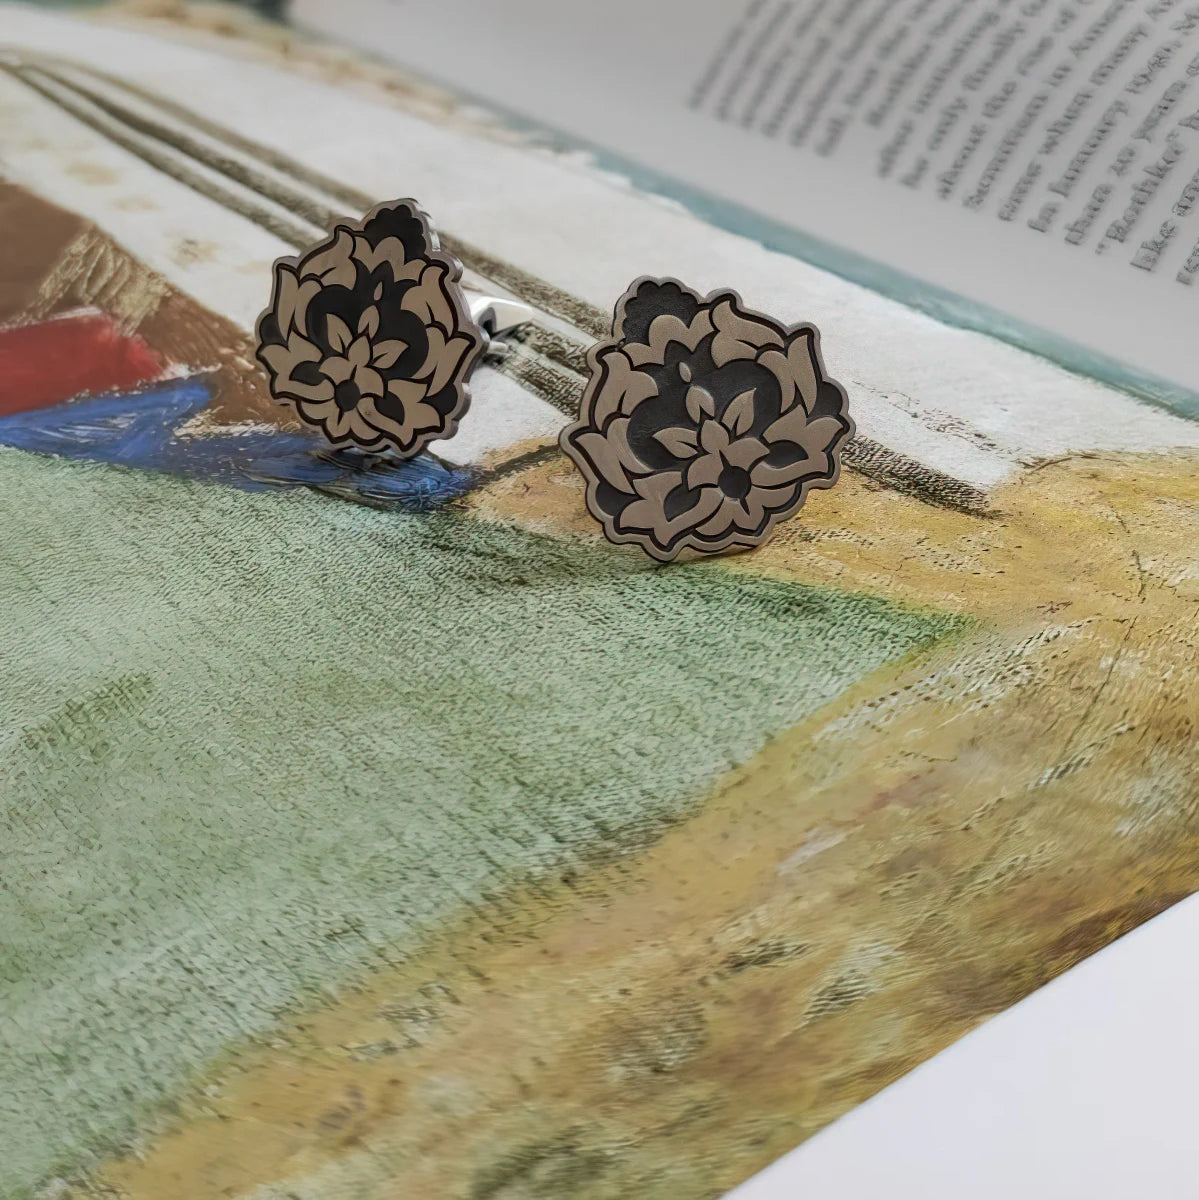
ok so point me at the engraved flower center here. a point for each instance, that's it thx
(347, 394)
(734, 482)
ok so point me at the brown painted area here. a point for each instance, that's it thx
(62, 263)
(191, 334)
(880, 879)
(33, 233)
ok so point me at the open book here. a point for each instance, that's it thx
(374, 828)
(1030, 168)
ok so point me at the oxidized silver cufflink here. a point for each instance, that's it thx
(703, 424)
(371, 337)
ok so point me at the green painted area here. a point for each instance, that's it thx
(251, 744)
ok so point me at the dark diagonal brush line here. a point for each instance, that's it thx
(541, 375)
(911, 477)
(568, 354)
(513, 466)
(295, 201)
(286, 231)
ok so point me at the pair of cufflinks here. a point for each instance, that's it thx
(702, 425)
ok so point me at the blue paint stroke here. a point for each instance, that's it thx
(138, 429)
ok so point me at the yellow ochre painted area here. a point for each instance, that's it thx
(915, 857)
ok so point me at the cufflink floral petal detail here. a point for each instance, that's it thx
(369, 337)
(703, 424)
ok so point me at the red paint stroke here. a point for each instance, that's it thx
(45, 364)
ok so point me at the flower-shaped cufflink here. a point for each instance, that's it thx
(703, 424)
(369, 336)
